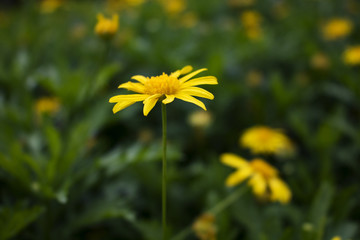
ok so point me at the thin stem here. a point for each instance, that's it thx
(164, 176)
(218, 208)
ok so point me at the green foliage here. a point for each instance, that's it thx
(77, 171)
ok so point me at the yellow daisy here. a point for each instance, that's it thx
(336, 238)
(47, 105)
(164, 88)
(261, 139)
(107, 27)
(204, 227)
(263, 178)
(352, 55)
(337, 28)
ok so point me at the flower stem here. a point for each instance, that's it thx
(164, 176)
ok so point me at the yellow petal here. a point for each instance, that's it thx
(121, 105)
(188, 98)
(184, 70)
(190, 75)
(258, 184)
(197, 92)
(139, 78)
(168, 99)
(150, 102)
(279, 190)
(128, 97)
(210, 80)
(136, 87)
(238, 176)
(233, 160)
(100, 17)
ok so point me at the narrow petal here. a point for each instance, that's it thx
(188, 98)
(128, 97)
(210, 80)
(121, 105)
(139, 78)
(233, 160)
(279, 190)
(149, 103)
(190, 75)
(183, 71)
(258, 184)
(131, 86)
(197, 92)
(238, 176)
(168, 99)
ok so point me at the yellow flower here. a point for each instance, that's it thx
(320, 61)
(352, 55)
(164, 88)
(173, 7)
(261, 139)
(48, 105)
(263, 178)
(337, 28)
(107, 27)
(250, 19)
(336, 238)
(49, 6)
(254, 78)
(204, 227)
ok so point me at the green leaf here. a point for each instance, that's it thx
(13, 220)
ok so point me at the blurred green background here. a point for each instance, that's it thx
(71, 169)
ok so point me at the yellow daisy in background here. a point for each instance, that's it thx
(336, 238)
(47, 105)
(204, 227)
(261, 139)
(352, 55)
(263, 178)
(164, 88)
(50, 6)
(107, 27)
(337, 28)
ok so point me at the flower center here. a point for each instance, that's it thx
(263, 168)
(162, 84)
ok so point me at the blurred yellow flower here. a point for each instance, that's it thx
(173, 7)
(320, 61)
(261, 139)
(337, 28)
(204, 227)
(336, 238)
(200, 119)
(107, 27)
(250, 19)
(189, 20)
(352, 55)
(47, 105)
(49, 6)
(263, 178)
(164, 88)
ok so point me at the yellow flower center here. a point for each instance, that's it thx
(162, 84)
(263, 168)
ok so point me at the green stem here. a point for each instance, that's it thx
(218, 208)
(164, 177)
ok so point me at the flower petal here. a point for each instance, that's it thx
(139, 78)
(183, 71)
(238, 176)
(128, 97)
(190, 75)
(121, 105)
(131, 86)
(188, 98)
(150, 102)
(197, 92)
(168, 99)
(279, 190)
(210, 80)
(258, 184)
(233, 160)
